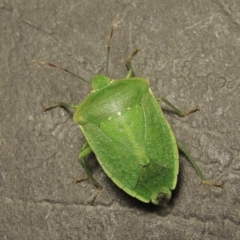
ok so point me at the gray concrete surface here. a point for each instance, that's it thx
(190, 52)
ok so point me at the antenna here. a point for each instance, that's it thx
(56, 66)
(114, 25)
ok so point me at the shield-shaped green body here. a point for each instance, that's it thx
(132, 140)
(125, 127)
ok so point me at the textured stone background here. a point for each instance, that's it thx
(190, 52)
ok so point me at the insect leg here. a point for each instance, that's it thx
(61, 104)
(176, 110)
(129, 65)
(84, 153)
(199, 172)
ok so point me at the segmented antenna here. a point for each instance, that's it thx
(59, 67)
(114, 25)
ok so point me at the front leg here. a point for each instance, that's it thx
(61, 104)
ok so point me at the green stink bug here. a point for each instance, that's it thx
(126, 130)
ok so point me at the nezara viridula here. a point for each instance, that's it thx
(126, 130)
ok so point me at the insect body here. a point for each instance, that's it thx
(129, 135)
(121, 125)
